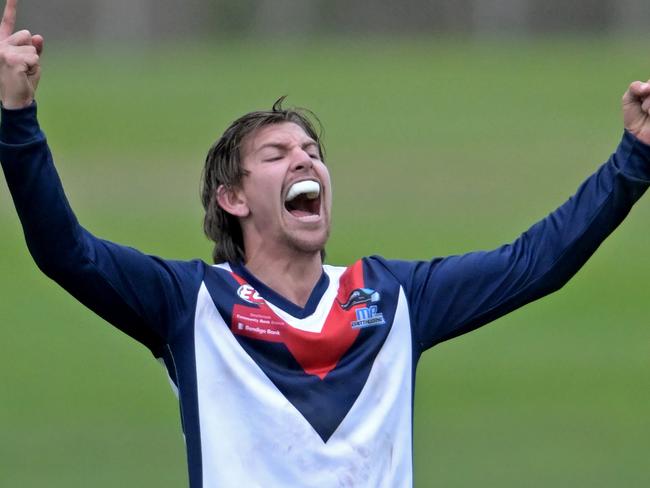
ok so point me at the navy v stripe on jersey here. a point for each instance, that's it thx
(323, 400)
(323, 391)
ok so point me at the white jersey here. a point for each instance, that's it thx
(317, 398)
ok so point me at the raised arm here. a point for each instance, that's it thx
(453, 295)
(147, 297)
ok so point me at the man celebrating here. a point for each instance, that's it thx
(290, 372)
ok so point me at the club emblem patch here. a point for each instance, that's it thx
(359, 296)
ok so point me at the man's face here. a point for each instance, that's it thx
(287, 190)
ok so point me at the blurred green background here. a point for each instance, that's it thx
(436, 146)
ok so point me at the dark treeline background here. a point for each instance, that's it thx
(125, 20)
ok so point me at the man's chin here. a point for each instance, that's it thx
(309, 243)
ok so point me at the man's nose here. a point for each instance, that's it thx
(301, 160)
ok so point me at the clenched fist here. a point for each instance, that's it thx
(636, 110)
(20, 68)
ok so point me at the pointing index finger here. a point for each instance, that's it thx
(8, 19)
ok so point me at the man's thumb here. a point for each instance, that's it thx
(38, 42)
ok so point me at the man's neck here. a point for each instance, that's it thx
(292, 276)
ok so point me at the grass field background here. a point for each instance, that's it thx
(435, 147)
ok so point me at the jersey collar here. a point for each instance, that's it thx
(278, 300)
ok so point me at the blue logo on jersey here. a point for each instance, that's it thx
(368, 317)
(360, 295)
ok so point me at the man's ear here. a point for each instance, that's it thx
(232, 201)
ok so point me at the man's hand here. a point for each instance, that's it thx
(636, 110)
(20, 67)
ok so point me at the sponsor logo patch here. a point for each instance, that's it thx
(247, 292)
(368, 317)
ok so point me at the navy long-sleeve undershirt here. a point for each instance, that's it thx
(145, 296)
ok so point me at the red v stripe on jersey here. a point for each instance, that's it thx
(317, 352)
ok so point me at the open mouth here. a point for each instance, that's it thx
(303, 199)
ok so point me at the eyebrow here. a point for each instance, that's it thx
(283, 146)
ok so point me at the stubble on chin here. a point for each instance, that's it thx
(306, 245)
